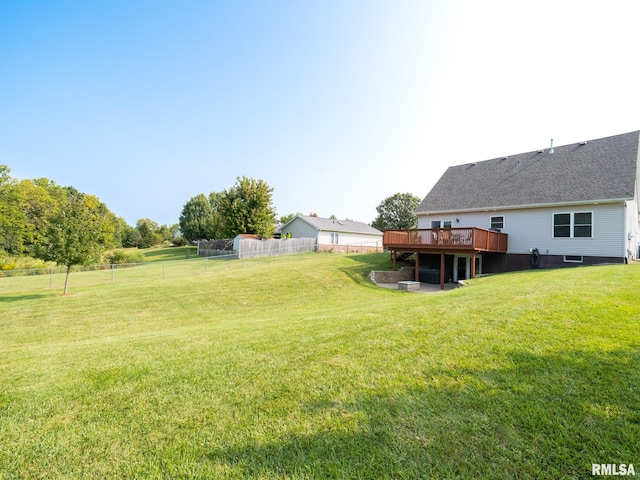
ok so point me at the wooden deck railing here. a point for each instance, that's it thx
(478, 239)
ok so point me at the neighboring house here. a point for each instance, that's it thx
(243, 236)
(562, 206)
(334, 235)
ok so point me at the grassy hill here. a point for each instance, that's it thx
(298, 367)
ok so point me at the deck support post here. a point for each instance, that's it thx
(473, 265)
(394, 255)
(441, 270)
(417, 273)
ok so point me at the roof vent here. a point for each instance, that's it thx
(583, 143)
(551, 150)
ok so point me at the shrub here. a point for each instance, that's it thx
(179, 241)
(8, 262)
(122, 257)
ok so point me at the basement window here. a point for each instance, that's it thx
(573, 259)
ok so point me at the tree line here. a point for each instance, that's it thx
(246, 207)
(31, 209)
(46, 221)
(41, 219)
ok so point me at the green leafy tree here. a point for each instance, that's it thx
(247, 207)
(77, 233)
(147, 238)
(130, 235)
(215, 226)
(195, 219)
(165, 233)
(13, 221)
(287, 218)
(149, 233)
(397, 212)
(40, 198)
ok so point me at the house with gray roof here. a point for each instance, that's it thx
(559, 206)
(333, 234)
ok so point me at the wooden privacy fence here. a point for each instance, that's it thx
(271, 247)
(215, 248)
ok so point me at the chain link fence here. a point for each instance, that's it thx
(38, 279)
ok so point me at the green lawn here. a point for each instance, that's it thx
(298, 367)
(168, 254)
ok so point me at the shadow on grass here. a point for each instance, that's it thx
(363, 264)
(170, 253)
(540, 416)
(26, 298)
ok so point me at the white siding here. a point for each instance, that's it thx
(533, 228)
(301, 229)
(346, 238)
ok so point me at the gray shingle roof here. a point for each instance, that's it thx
(331, 225)
(603, 169)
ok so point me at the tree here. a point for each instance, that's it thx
(13, 222)
(77, 233)
(397, 212)
(149, 233)
(215, 226)
(40, 199)
(247, 207)
(195, 218)
(288, 217)
(166, 233)
(130, 236)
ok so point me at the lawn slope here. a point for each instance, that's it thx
(299, 367)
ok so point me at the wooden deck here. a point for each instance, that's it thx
(449, 240)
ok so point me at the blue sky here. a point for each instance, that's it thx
(335, 104)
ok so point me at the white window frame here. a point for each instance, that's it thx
(442, 223)
(566, 259)
(572, 224)
(335, 238)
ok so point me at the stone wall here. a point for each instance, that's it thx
(384, 276)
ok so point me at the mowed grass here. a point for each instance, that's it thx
(168, 254)
(299, 367)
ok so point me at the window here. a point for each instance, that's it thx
(573, 225)
(562, 225)
(573, 259)
(497, 223)
(334, 238)
(582, 224)
(441, 224)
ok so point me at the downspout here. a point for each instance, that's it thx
(626, 233)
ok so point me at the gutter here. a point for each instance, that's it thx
(520, 207)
